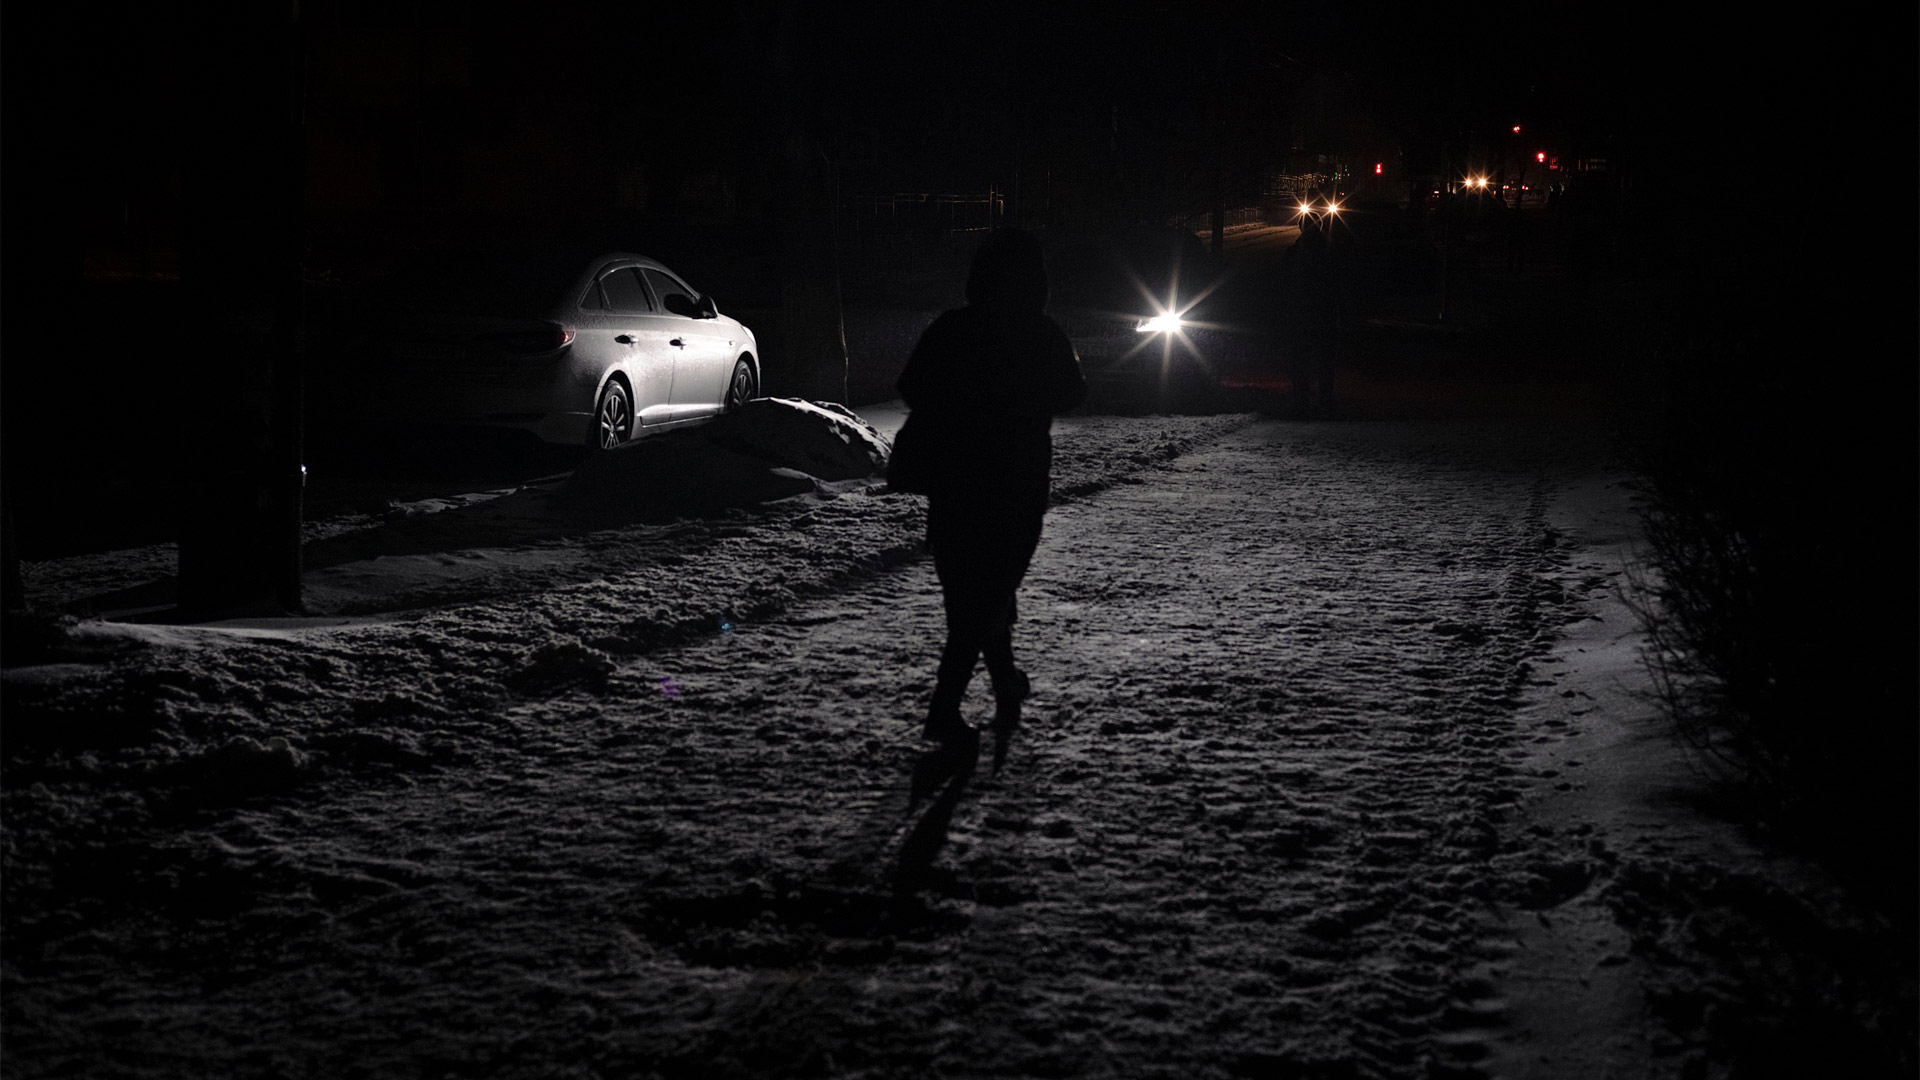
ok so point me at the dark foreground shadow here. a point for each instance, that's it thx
(941, 774)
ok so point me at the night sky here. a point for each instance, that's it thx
(960, 96)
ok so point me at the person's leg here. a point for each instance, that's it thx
(1300, 374)
(961, 589)
(1323, 380)
(1010, 684)
(957, 661)
(980, 554)
(997, 646)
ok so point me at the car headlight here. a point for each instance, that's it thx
(1159, 324)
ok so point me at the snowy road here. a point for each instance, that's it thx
(1251, 828)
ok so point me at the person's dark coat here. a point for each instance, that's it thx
(986, 381)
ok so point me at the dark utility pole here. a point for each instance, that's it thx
(242, 244)
(811, 331)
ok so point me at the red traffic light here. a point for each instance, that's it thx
(1376, 168)
(1541, 157)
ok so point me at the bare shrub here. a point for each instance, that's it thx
(1778, 598)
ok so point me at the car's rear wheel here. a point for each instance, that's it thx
(740, 388)
(613, 417)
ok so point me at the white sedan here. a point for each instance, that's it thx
(595, 351)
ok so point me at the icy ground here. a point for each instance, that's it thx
(1315, 783)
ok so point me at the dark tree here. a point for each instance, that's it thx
(809, 354)
(240, 263)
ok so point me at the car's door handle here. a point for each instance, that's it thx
(678, 343)
(625, 339)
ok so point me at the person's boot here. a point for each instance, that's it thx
(946, 726)
(1007, 695)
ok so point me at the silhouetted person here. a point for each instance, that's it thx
(1518, 235)
(1312, 322)
(986, 380)
(1586, 228)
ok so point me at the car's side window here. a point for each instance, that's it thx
(624, 293)
(593, 301)
(666, 285)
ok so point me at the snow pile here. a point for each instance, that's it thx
(561, 665)
(245, 766)
(768, 449)
(679, 472)
(820, 439)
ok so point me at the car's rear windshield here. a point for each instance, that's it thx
(518, 284)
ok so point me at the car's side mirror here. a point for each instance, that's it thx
(705, 309)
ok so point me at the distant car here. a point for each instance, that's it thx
(1132, 301)
(593, 350)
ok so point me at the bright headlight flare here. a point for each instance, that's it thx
(1167, 323)
(1333, 207)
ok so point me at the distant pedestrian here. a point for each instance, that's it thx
(984, 384)
(1312, 317)
(1586, 219)
(1518, 235)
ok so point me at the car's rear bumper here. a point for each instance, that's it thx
(562, 427)
(552, 401)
